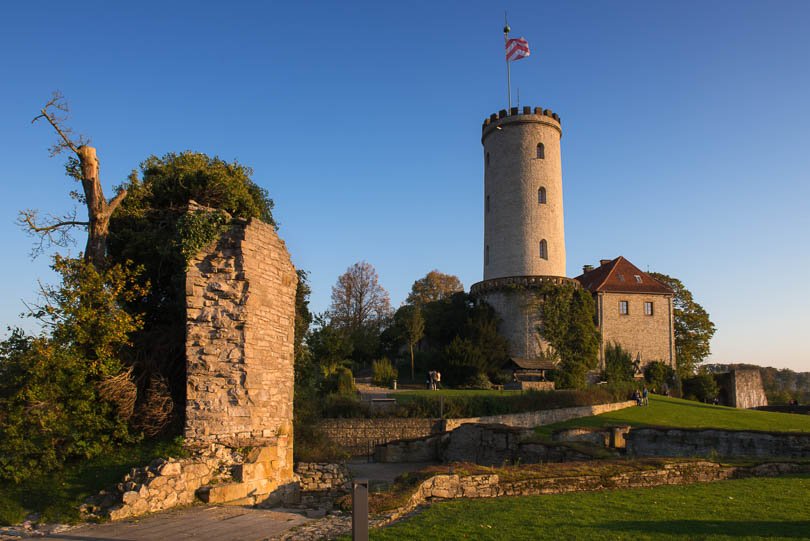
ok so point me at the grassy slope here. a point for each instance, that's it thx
(673, 412)
(57, 495)
(743, 509)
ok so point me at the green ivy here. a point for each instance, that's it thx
(196, 230)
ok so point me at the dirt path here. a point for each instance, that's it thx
(223, 523)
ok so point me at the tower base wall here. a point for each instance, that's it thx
(518, 302)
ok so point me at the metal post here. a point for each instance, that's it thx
(360, 510)
(506, 30)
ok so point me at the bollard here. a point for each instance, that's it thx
(360, 510)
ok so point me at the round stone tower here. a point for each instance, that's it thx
(524, 237)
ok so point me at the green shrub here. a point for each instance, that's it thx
(55, 401)
(384, 372)
(701, 387)
(345, 382)
(659, 376)
(619, 365)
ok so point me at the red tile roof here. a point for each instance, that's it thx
(621, 276)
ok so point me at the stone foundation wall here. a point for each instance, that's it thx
(360, 436)
(726, 443)
(492, 486)
(321, 483)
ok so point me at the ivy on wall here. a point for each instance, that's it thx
(195, 230)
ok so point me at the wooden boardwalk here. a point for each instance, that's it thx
(220, 523)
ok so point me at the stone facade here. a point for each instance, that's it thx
(240, 310)
(646, 337)
(359, 436)
(742, 388)
(518, 302)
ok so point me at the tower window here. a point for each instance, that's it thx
(541, 151)
(486, 205)
(486, 255)
(624, 308)
(541, 196)
(543, 249)
(487, 159)
(648, 308)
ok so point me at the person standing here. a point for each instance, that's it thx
(645, 396)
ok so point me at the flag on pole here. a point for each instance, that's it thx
(516, 48)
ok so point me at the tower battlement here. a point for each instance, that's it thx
(524, 114)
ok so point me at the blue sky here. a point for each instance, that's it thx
(685, 144)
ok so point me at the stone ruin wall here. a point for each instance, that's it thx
(747, 390)
(240, 312)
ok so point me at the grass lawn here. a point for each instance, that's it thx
(754, 508)
(57, 495)
(677, 413)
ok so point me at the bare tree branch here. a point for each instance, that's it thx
(58, 103)
(115, 201)
(51, 231)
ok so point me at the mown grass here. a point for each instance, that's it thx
(56, 495)
(772, 508)
(674, 412)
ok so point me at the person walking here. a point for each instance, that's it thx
(645, 396)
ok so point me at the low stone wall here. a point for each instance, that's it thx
(442, 487)
(320, 484)
(532, 419)
(488, 445)
(726, 443)
(163, 484)
(360, 436)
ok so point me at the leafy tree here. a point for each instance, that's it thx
(329, 346)
(413, 324)
(83, 167)
(659, 375)
(66, 394)
(360, 308)
(435, 286)
(303, 319)
(568, 326)
(693, 328)
(153, 229)
(700, 387)
(619, 365)
(358, 299)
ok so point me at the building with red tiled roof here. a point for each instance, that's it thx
(633, 310)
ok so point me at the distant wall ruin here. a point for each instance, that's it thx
(742, 388)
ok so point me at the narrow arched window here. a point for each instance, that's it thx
(541, 151)
(541, 196)
(486, 255)
(487, 159)
(487, 204)
(543, 249)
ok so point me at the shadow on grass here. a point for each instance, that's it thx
(734, 528)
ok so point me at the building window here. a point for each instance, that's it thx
(541, 151)
(541, 196)
(487, 159)
(486, 255)
(543, 249)
(648, 308)
(487, 204)
(624, 308)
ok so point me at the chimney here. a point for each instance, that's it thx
(587, 268)
(604, 261)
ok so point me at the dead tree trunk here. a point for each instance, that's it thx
(99, 210)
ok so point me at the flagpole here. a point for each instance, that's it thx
(506, 30)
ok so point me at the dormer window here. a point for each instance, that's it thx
(541, 151)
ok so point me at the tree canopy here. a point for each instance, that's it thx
(693, 328)
(435, 286)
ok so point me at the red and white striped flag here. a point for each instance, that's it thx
(516, 48)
